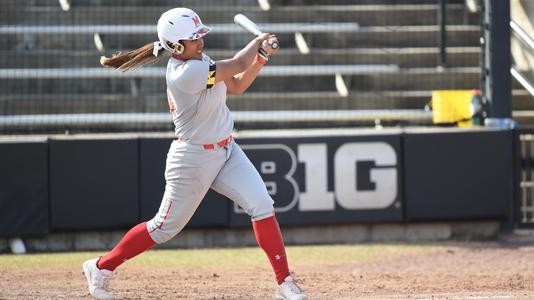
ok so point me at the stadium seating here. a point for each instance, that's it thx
(387, 49)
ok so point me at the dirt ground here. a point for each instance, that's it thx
(454, 271)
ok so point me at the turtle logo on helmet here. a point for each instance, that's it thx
(196, 20)
(179, 24)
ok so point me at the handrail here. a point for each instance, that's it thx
(525, 38)
(151, 29)
(238, 116)
(156, 72)
(523, 81)
(227, 28)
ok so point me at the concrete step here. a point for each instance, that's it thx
(329, 100)
(360, 2)
(369, 37)
(20, 104)
(192, 3)
(117, 103)
(524, 118)
(404, 79)
(140, 3)
(365, 15)
(403, 57)
(522, 99)
(401, 99)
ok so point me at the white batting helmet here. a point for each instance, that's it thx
(179, 24)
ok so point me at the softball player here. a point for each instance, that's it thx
(204, 155)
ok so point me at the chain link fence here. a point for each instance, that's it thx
(341, 63)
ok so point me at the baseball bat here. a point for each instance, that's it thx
(250, 26)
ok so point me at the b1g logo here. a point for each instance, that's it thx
(364, 175)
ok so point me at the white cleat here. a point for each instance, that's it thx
(98, 280)
(288, 290)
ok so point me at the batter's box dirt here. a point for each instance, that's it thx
(445, 271)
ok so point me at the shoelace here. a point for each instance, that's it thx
(102, 281)
(294, 288)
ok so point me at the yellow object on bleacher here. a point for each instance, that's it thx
(451, 107)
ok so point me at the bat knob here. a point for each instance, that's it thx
(274, 45)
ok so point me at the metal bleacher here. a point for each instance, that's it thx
(341, 62)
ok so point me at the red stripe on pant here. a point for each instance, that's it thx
(270, 240)
(164, 218)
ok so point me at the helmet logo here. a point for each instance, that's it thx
(196, 21)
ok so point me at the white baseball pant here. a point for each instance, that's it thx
(191, 170)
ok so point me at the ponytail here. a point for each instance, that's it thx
(133, 59)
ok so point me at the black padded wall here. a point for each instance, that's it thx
(94, 184)
(458, 175)
(24, 189)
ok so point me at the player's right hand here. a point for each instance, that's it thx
(266, 44)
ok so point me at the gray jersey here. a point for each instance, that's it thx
(198, 106)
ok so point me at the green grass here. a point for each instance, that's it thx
(222, 258)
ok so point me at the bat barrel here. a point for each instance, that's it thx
(250, 26)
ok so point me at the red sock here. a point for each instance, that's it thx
(270, 240)
(134, 242)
